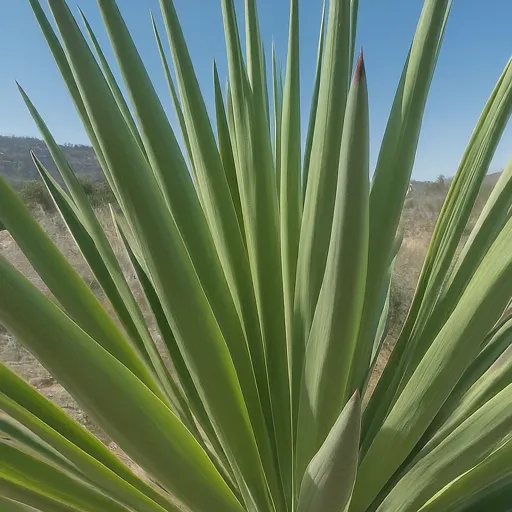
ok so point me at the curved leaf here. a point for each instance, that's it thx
(329, 479)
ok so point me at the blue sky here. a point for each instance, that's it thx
(477, 46)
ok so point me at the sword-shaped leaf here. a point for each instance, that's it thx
(82, 466)
(290, 202)
(394, 166)
(335, 325)
(113, 396)
(322, 175)
(258, 194)
(314, 106)
(18, 392)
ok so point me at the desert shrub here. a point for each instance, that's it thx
(34, 194)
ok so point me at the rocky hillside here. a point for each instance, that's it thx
(16, 163)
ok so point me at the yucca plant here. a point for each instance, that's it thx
(267, 271)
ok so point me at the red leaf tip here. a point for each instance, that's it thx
(360, 71)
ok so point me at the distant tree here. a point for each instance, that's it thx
(441, 182)
(34, 193)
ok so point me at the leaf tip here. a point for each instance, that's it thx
(360, 69)
(34, 158)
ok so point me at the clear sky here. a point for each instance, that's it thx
(477, 46)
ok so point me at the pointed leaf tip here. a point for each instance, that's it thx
(360, 71)
(329, 479)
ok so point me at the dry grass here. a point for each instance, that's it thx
(20, 360)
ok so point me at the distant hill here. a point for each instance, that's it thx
(16, 163)
(443, 182)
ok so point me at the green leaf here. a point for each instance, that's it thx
(116, 91)
(491, 220)
(27, 471)
(8, 505)
(264, 80)
(81, 465)
(455, 214)
(428, 312)
(256, 69)
(66, 285)
(18, 493)
(329, 479)
(290, 168)
(191, 399)
(454, 348)
(231, 123)
(19, 435)
(384, 315)
(314, 106)
(335, 326)
(470, 444)
(36, 405)
(221, 215)
(393, 170)
(486, 363)
(226, 149)
(191, 221)
(323, 172)
(91, 254)
(277, 91)
(116, 400)
(260, 209)
(62, 63)
(472, 491)
(354, 11)
(99, 253)
(174, 95)
(183, 375)
(495, 379)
